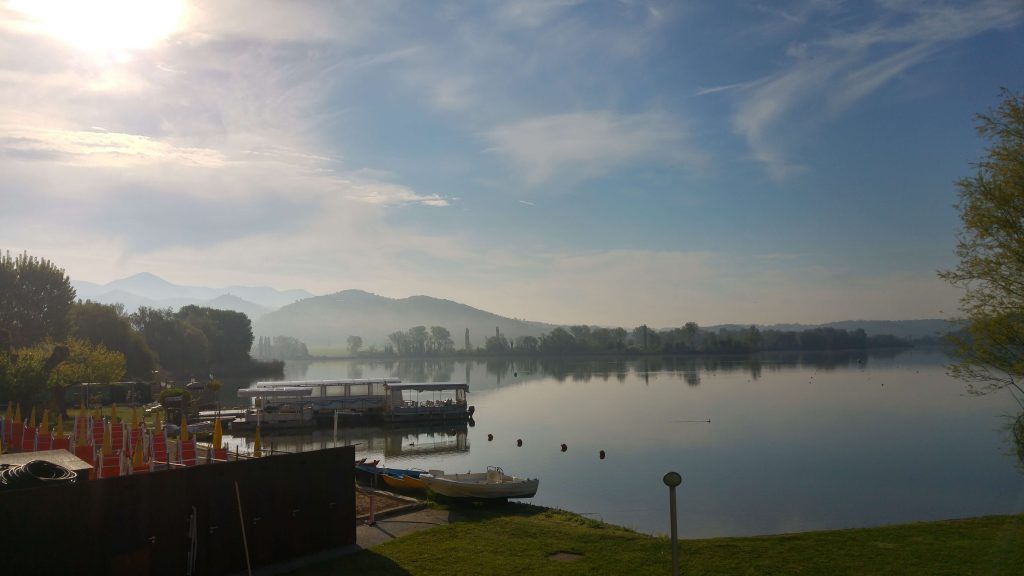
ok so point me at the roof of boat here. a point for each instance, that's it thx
(431, 386)
(301, 383)
(275, 391)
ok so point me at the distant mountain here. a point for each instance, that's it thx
(327, 321)
(147, 289)
(232, 302)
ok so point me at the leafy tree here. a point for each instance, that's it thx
(990, 351)
(691, 335)
(43, 372)
(23, 375)
(354, 344)
(287, 348)
(35, 297)
(558, 341)
(180, 347)
(417, 339)
(527, 345)
(441, 340)
(85, 362)
(399, 341)
(108, 325)
(497, 345)
(229, 333)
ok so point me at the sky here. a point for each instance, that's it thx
(567, 161)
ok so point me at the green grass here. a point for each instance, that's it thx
(519, 539)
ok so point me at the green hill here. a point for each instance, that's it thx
(325, 322)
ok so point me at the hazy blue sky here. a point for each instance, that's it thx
(618, 162)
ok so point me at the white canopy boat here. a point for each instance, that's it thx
(481, 485)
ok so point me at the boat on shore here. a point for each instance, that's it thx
(493, 484)
(404, 480)
(396, 478)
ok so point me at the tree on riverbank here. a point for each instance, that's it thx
(990, 350)
(35, 298)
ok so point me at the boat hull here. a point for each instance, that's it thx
(481, 486)
(403, 482)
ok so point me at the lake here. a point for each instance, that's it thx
(765, 445)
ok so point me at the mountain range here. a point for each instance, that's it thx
(149, 290)
(325, 322)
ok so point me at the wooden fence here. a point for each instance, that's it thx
(184, 521)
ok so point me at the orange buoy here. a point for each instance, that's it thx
(564, 447)
(490, 437)
(519, 442)
(602, 454)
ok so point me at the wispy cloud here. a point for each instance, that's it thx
(531, 13)
(583, 145)
(829, 74)
(95, 148)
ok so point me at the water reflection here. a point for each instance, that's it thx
(486, 373)
(562, 369)
(766, 444)
(406, 442)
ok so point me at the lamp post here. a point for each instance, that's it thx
(673, 479)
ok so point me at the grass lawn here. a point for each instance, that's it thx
(522, 539)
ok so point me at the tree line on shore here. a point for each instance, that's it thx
(419, 341)
(49, 340)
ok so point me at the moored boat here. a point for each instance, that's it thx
(493, 484)
(405, 480)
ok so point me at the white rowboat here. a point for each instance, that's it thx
(481, 485)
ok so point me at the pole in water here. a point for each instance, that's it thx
(673, 479)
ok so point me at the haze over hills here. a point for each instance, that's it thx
(325, 322)
(145, 289)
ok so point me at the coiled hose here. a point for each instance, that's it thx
(33, 474)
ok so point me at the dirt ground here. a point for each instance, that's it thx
(381, 502)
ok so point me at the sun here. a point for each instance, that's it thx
(104, 26)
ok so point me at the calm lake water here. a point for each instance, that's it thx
(794, 443)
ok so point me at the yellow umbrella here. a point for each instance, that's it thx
(82, 423)
(44, 426)
(32, 418)
(135, 418)
(107, 448)
(99, 415)
(17, 413)
(257, 445)
(217, 433)
(113, 413)
(184, 428)
(137, 460)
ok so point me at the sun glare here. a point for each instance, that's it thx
(104, 26)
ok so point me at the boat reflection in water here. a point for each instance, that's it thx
(407, 441)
